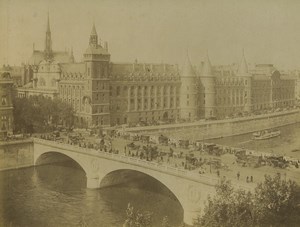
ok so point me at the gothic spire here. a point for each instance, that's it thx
(48, 41)
(243, 67)
(207, 66)
(93, 37)
(48, 24)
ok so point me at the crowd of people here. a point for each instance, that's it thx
(189, 158)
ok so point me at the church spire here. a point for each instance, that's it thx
(243, 67)
(48, 41)
(48, 24)
(93, 37)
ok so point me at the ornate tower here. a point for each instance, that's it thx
(243, 72)
(208, 90)
(188, 92)
(96, 100)
(48, 42)
(93, 37)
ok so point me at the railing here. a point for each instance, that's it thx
(193, 176)
(131, 160)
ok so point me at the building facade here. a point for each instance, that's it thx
(6, 105)
(105, 93)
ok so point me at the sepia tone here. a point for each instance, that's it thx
(149, 113)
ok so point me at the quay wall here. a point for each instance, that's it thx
(16, 154)
(223, 128)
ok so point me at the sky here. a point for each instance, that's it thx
(157, 31)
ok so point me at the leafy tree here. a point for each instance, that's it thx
(136, 218)
(227, 208)
(275, 202)
(165, 222)
(39, 114)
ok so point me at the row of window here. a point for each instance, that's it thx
(231, 81)
(71, 90)
(160, 103)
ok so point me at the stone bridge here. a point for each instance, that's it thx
(190, 189)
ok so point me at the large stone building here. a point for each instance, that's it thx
(42, 71)
(104, 93)
(16, 72)
(6, 105)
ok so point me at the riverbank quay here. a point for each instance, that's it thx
(15, 154)
(213, 129)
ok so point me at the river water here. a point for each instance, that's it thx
(288, 143)
(56, 195)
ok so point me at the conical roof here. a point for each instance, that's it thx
(207, 71)
(243, 67)
(93, 32)
(187, 70)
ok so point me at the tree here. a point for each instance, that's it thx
(275, 202)
(136, 218)
(227, 208)
(165, 222)
(39, 114)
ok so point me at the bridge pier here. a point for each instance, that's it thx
(92, 182)
(190, 190)
(190, 216)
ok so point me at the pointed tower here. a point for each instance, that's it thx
(48, 42)
(71, 55)
(188, 92)
(247, 80)
(207, 109)
(93, 37)
(97, 61)
(243, 67)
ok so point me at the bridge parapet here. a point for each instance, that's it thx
(175, 171)
(189, 187)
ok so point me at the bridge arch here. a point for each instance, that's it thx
(81, 160)
(56, 157)
(190, 193)
(179, 189)
(123, 176)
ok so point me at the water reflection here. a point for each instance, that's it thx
(57, 196)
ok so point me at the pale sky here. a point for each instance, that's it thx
(157, 31)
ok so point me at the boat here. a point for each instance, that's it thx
(266, 134)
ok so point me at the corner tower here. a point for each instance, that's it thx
(208, 90)
(96, 98)
(188, 92)
(247, 79)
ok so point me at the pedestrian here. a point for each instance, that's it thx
(247, 179)
(251, 179)
(218, 173)
(238, 175)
